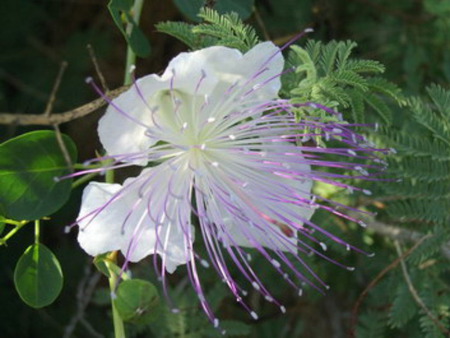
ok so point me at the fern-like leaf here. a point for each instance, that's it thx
(180, 30)
(228, 29)
(325, 72)
(403, 308)
(371, 325)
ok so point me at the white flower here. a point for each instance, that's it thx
(218, 144)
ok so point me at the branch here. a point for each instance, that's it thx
(415, 294)
(399, 234)
(56, 119)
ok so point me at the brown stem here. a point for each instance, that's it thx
(70, 115)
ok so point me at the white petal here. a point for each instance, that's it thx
(115, 217)
(187, 69)
(122, 128)
(263, 55)
(100, 233)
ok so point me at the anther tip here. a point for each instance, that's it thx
(254, 315)
(89, 79)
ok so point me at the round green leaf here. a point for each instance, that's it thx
(29, 165)
(38, 276)
(137, 301)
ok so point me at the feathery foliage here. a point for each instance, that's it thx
(225, 30)
(423, 161)
(325, 73)
(421, 199)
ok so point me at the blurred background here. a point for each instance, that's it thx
(411, 38)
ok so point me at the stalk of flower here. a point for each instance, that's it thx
(223, 147)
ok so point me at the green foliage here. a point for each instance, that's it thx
(38, 276)
(325, 74)
(422, 162)
(122, 14)
(137, 301)
(403, 307)
(29, 165)
(2, 224)
(421, 136)
(371, 325)
(225, 30)
(409, 37)
(190, 321)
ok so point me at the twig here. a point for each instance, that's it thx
(48, 111)
(415, 294)
(397, 233)
(63, 147)
(85, 290)
(70, 115)
(377, 279)
(97, 67)
(52, 98)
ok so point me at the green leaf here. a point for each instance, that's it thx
(101, 265)
(120, 11)
(38, 276)
(403, 308)
(371, 325)
(380, 107)
(28, 166)
(180, 30)
(137, 301)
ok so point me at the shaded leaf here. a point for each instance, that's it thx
(137, 301)
(120, 11)
(29, 165)
(38, 276)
